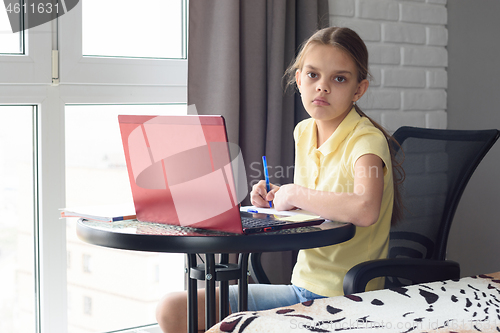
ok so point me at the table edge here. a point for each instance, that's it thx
(215, 244)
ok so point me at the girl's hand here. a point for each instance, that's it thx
(283, 195)
(259, 197)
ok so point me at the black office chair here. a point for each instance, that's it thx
(438, 165)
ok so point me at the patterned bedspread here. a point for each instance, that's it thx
(471, 304)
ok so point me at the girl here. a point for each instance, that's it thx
(344, 171)
(343, 164)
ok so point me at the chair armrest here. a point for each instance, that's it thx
(415, 270)
(256, 271)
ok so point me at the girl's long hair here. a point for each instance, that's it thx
(348, 41)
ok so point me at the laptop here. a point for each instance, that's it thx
(183, 171)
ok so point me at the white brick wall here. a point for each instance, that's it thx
(406, 42)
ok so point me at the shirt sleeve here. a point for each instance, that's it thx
(299, 128)
(371, 142)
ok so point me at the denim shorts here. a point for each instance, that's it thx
(269, 296)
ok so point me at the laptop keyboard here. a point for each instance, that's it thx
(249, 222)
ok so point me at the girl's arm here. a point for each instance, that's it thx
(361, 207)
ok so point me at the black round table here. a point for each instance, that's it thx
(155, 237)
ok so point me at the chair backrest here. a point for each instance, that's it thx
(438, 165)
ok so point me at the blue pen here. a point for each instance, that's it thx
(266, 174)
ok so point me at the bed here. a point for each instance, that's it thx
(471, 304)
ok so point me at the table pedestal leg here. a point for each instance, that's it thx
(210, 300)
(211, 272)
(192, 310)
(243, 282)
(224, 291)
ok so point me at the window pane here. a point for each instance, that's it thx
(130, 28)
(10, 43)
(109, 289)
(17, 253)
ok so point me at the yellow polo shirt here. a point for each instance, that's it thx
(331, 168)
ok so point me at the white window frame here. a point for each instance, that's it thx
(75, 68)
(28, 79)
(32, 66)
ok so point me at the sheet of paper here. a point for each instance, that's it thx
(272, 211)
(299, 218)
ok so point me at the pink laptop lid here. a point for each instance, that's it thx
(180, 171)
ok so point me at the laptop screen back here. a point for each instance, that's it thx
(180, 171)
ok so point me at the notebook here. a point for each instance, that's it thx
(183, 171)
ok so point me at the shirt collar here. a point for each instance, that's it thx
(343, 130)
(309, 137)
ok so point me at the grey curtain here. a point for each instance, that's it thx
(238, 52)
